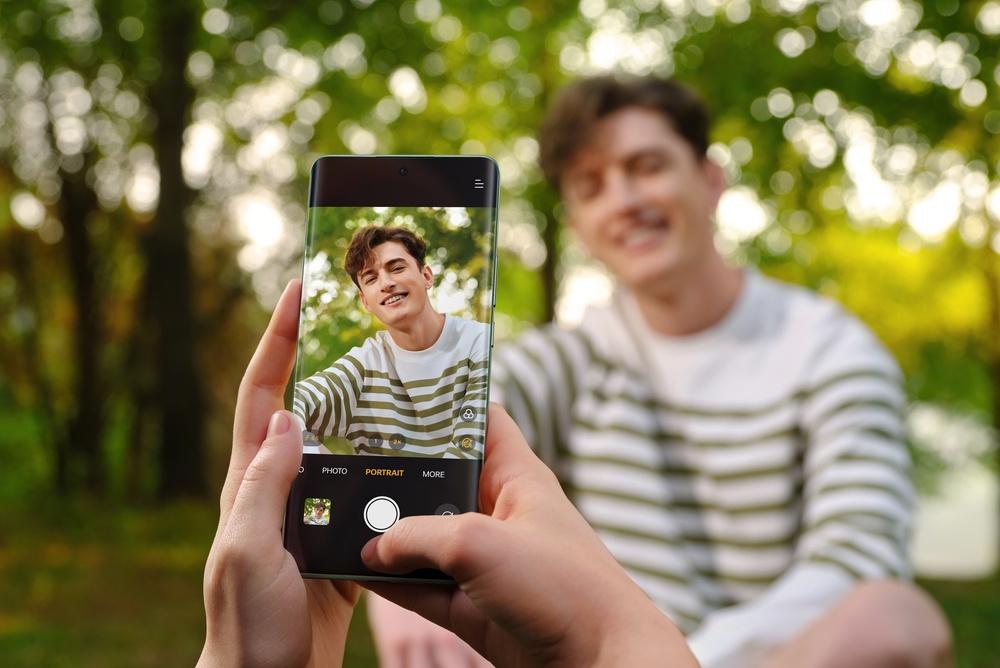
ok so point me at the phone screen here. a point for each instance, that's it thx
(391, 381)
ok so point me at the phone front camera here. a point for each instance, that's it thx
(403, 171)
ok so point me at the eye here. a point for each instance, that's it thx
(368, 279)
(649, 163)
(398, 268)
(584, 186)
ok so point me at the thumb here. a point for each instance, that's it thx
(263, 492)
(461, 545)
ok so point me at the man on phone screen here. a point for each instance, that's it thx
(416, 388)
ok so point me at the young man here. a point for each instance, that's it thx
(318, 516)
(736, 442)
(416, 388)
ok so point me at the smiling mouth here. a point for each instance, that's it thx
(647, 228)
(394, 299)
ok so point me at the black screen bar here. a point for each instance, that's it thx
(404, 180)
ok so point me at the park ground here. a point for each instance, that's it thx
(87, 586)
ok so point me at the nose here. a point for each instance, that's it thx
(386, 282)
(620, 192)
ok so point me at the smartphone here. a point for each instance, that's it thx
(392, 370)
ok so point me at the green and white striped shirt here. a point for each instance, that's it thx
(389, 401)
(745, 476)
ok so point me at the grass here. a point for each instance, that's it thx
(87, 586)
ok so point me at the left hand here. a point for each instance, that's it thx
(404, 639)
(259, 610)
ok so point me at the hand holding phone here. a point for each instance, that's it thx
(258, 609)
(536, 584)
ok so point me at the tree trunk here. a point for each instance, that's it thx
(178, 393)
(51, 421)
(550, 268)
(77, 202)
(992, 279)
(550, 233)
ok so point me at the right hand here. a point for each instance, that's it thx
(535, 583)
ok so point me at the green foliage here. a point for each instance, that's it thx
(868, 133)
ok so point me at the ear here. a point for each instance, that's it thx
(574, 230)
(428, 276)
(363, 299)
(715, 176)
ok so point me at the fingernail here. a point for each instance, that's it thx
(279, 424)
(368, 551)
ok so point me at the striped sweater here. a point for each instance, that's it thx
(745, 476)
(389, 401)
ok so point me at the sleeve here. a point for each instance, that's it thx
(326, 400)
(857, 499)
(536, 379)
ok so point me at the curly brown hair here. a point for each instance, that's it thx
(581, 105)
(361, 251)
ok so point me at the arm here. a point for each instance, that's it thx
(325, 401)
(258, 610)
(857, 500)
(536, 379)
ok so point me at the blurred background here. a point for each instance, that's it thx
(154, 162)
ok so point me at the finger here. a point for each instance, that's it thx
(417, 654)
(450, 651)
(432, 602)
(263, 387)
(448, 607)
(477, 660)
(508, 457)
(460, 545)
(260, 500)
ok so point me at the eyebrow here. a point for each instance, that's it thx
(388, 263)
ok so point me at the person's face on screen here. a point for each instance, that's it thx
(641, 199)
(394, 287)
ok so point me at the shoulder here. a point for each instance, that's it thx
(365, 356)
(550, 350)
(468, 328)
(830, 336)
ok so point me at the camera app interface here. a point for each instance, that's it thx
(392, 376)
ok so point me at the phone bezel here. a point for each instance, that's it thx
(406, 180)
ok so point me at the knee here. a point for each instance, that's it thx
(897, 624)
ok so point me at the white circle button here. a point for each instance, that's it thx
(381, 513)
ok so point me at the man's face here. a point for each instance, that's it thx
(393, 287)
(641, 200)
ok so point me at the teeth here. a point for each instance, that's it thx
(641, 235)
(393, 299)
